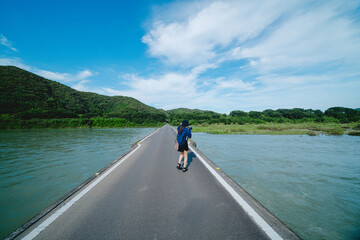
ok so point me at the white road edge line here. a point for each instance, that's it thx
(63, 209)
(256, 217)
(250, 211)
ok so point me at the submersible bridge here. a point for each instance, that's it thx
(142, 195)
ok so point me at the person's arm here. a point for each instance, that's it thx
(189, 132)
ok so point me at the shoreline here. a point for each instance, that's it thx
(310, 128)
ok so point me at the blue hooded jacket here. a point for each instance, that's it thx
(181, 138)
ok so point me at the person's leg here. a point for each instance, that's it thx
(180, 157)
(185, 158)
(179, 162)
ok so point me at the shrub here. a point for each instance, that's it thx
(335, 131)
(311, 133)
(354, 133)
(205, 124)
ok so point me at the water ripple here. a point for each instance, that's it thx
(39, 166)
(310, 183)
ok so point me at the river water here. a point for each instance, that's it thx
(311, 183)
(37, 167)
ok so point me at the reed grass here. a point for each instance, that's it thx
(311, 129)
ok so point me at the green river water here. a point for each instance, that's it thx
(37, 167)
(311, 183)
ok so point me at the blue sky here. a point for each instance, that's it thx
(211, 55)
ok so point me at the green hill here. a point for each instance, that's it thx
(31, 101)
(24, 95)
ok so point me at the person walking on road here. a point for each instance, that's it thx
(184, 132)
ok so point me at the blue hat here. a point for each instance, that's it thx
(185, 123)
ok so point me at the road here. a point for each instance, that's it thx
(146, 197)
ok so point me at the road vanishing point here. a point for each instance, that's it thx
(142, 195)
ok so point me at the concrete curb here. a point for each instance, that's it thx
(17, 232)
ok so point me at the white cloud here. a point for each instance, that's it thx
(82, 86)
(4, 41)
(240, 54)
(83, 75)
(295, 34)
(205, 33)
(17, 62)
(305, 40)
(202, 68)
(235, 85)
(63, 77)
(274, 46)
(174, 90)
(168, 88)
(78, 80)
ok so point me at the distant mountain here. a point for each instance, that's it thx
(26, 95)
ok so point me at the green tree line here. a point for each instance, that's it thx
(295, 115)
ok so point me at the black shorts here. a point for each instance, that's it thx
(184, 147)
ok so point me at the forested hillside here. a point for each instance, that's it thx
(25, 96)
(28, 100)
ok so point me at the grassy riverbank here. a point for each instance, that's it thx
(311, 129)
(11, 123)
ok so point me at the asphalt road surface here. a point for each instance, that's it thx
(146, 197)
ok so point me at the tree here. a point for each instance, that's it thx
(238, 113)
(343, 114)
(255, 114)
(271, 113)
